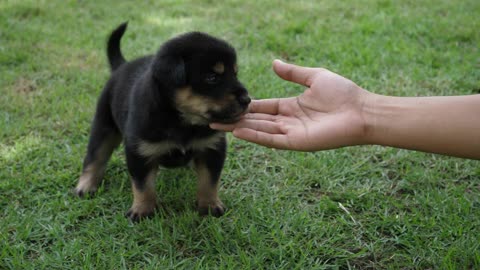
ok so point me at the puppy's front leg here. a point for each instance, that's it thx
(143, 176)
(209, 166)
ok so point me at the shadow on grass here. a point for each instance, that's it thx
(176, 188)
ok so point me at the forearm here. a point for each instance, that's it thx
(443, 125)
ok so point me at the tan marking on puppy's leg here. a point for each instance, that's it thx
(207, 192)
(89, 180)
(144, 199)
(93, 173)
(219, 68)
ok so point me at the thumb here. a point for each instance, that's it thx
(294, 73)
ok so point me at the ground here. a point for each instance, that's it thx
(359, 207)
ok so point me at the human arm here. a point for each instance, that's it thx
(334, 112)
(448, 125)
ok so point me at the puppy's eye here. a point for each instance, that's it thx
(211, 78)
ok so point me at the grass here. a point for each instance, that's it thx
(361, 207)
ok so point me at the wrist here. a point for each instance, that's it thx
(372, 115)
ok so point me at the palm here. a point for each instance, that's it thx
(307, 129)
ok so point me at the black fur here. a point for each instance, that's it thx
(115, 57)
(140, 103)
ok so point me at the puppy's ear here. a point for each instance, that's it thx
(169, 70)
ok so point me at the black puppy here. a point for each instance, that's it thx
(161, 106)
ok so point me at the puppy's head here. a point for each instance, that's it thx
(200, 73)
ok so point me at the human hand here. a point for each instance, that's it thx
(327, 115)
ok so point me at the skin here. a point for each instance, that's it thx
(334, 112)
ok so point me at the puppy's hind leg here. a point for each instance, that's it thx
(104, 138)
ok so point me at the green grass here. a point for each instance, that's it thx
(360, 207)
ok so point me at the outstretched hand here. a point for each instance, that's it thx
(327, 115)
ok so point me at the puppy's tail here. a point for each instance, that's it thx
(115, 57)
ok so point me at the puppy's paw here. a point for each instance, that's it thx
(82, 193)
(88, 182)
(215, 208)
(140, 211)
(84, 188)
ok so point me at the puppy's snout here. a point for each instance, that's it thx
(242, 96)
(244, 100)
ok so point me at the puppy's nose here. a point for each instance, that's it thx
(244, 100)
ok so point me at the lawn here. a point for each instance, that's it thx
(359, 207)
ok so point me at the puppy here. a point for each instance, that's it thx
(160, 106)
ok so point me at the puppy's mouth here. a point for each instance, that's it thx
(196, 109)
(228, 119)
(205, 119)
(229, 114)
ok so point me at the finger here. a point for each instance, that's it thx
(260, 116)
(279, 141)
(251, 116)
(269, 106)
(222, 127)
(294, 73)
(259, 125)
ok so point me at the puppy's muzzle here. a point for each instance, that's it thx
(233, 110)
(242, 97)
(244, 100)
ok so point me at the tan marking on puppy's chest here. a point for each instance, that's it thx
(207, 142)
(157, 149)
